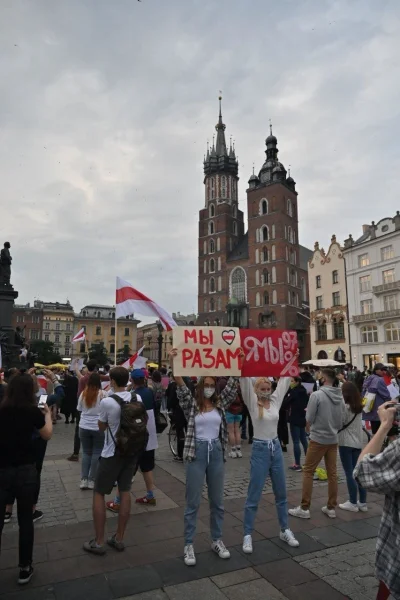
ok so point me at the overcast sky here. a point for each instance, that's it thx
(106, 108)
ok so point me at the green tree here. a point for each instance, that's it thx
(98, 353)
(123, 354)
(45, 351)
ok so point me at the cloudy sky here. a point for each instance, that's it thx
(106, 108)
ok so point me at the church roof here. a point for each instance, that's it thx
(241, 250)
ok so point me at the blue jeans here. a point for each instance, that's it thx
(266, 459)
(349, 457)
(92, 445)
(209, 462)
(298, 435)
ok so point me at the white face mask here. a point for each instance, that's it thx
(208, 392)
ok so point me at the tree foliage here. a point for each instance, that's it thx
(45, 352)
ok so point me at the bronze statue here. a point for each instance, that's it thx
(5, 264)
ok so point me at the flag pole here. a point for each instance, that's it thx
(116, 338)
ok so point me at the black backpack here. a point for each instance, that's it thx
(132, 435)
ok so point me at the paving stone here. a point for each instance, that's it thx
(330, 536)
(241, 576)
(84, 588)
(39, 593)
(313, 590)
(153, 595)
(264, 551)
(307, 544)
(358, 529)
(285, 573)
(254, 590)
(195, 590)
(133, 581)
(209, 564)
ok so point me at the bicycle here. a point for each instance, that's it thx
(172, 436)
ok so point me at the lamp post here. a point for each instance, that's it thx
(149, 338)
(160, 342)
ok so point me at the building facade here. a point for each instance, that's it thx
(99, 324)
(256, 278)
(373, 288)
(149, 337)
(58, 325)
(29, 319)
(328, 303)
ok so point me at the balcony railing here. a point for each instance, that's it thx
(386, 287)
(377, 316)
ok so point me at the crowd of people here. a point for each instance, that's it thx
(117, 418)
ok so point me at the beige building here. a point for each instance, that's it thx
(58, 325)
(328, 303)
(148, 336)
(99, 323)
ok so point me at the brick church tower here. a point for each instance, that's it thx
(259, 278)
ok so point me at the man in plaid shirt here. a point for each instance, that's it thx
(380, 472)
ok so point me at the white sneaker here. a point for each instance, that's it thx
(288, 537)
(91, 484)
(362, 506)
(349, 506)
(239, 453)
(84, 485)
(220, 549)
(189, 556)
(329, 511)
(232, 454)
(299, 512)
(247, 544)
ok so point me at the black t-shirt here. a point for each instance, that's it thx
(18, 429)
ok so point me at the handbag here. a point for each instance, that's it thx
(161, 421)
(368, 402)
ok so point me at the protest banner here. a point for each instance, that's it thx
(215, 351)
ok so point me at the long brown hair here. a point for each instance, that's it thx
(352, 397)
(91, 391)
(199, 394)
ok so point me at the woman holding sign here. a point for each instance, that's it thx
(266, 455)
(204, 455)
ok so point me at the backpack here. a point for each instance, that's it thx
(132, 435)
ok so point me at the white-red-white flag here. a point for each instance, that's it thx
(135, 360)
(80, 336)
(130, 301)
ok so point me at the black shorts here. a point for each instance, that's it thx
(120, 469)
(147, 461)
(376, 424)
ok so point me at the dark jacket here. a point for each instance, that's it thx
(296, 401)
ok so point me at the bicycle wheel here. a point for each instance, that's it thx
(173, 440)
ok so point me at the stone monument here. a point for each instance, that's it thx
(9, 347)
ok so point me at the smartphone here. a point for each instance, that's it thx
(42, 400)
(38, 372)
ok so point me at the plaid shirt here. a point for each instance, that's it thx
(381, 474)
(190, 409)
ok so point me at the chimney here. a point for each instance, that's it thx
(365, 228)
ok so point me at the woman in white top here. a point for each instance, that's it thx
(350, 445)
(92, 439)
(266, 455)
(204, 455)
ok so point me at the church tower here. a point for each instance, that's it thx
(221, 227)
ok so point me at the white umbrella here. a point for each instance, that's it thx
(323, 362)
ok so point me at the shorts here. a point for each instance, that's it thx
(376, 424)
(147, 461)
(120, 469)
(230, 418)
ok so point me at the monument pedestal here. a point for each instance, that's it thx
(7, 334)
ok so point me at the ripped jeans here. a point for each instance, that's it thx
(266, 459)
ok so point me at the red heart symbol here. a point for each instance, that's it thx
(228, 336)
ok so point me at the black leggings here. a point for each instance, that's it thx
(21, 484)
(39, 451)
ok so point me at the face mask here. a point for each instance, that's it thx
(208, 392)
(264, 395)
(293, 385)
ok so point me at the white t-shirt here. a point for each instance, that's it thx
(110, 412)
(90, 416)
(207, 425)
(267, 427)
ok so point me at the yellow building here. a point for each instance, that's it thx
(148, 336)
(58, 325)
(99, 323)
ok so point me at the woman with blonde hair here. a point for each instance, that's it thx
(266, 456)
(92, 439)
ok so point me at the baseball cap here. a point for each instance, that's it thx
(379, 367)
(137, 374)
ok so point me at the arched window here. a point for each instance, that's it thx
(205, 266)
(219, 283)
(265, 254)
(293, 298)
(273, 275)
(219, 262)
(205, 248)
(212, 188)
(392, 332)
(212, 305)
(205, 306)
(289, 208)
(211, 229)
(292, 277)
(264, 233)
(369, 334)
(321, 330)
(257, 256)
(218, 244)
(274, 297)
(212, 247)
(291, 256)
(234, 228)
(212, 265)
(266, 298)
(322, 355)
(223, 186)
(258, 299)
(338, 328)
(273, 252)
(265, 277)
(257, 277)
(212, 285)
(264, 207)
(238, 284)
(205, 286)
(212, 210)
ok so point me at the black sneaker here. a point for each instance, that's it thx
(7, 517)
(37, 515)
(25, 575)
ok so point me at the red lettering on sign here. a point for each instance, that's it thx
(187, 355)
(208, 354)
(221, 359)
(231, 356)
(206, 340)
(197, 359)
(190, 335)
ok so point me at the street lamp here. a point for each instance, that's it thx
(160, 342)
(149, 338)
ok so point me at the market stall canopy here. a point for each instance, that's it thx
(323, 362)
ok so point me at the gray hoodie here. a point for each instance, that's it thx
(325, 413)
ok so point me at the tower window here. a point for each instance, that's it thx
(235, 211)
(212, 285)
(212, 210)
(212, 265)
(238, 284)
(212, 247)
(211, 229)
(205, 306)
(223, 186)
(266, 298)
(265, 277)
(265, 254)
(234, 228)
(212, 188)
(264, 206)
(264, 234)
(289, 208)
(212, 305)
